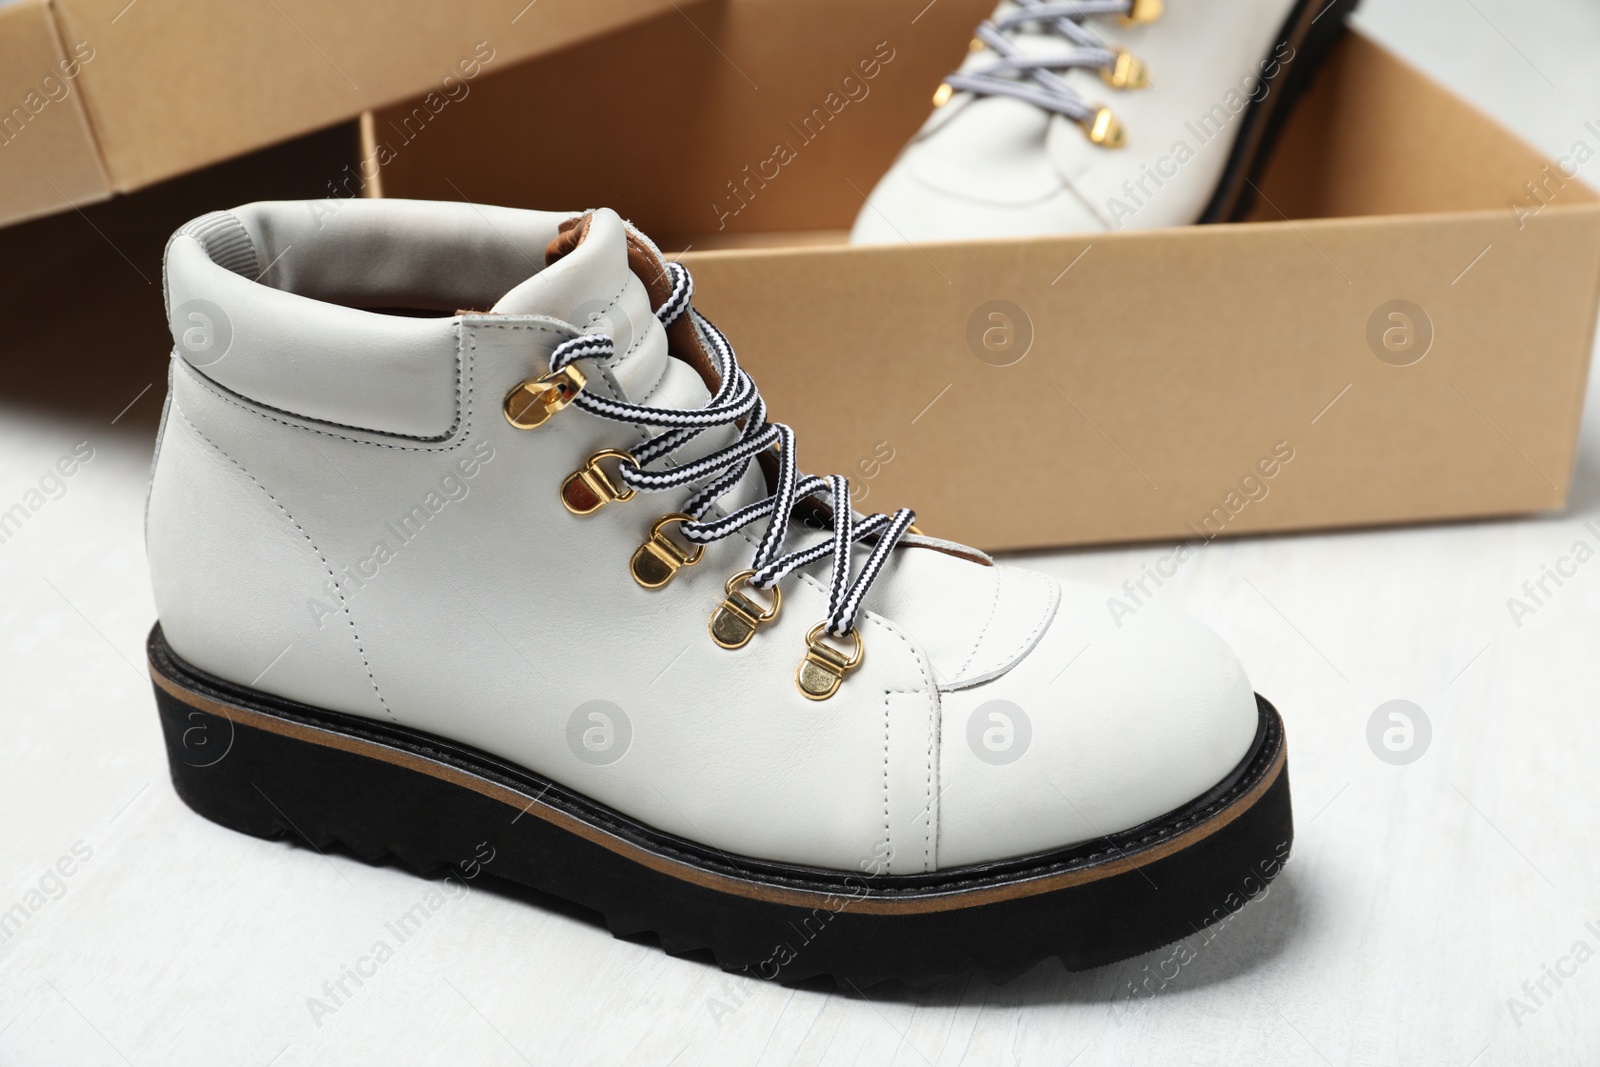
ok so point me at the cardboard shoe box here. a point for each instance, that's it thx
(107, 96)
(1401, 332)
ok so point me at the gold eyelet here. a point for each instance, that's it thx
(738, 618)
(941, 95)
(531, 402)
(822, 671)
(589, 488)
(1141, 11)
(659, 559)
(1125, 72)
(1103, 128)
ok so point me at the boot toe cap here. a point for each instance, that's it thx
(1109, 722)
(925, 197)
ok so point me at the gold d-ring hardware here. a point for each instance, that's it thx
(1125, 72)
(739, 617)
(1103, 128)
(533, 401)
(822, 671)
(1142, 11)
(589, 488)
(657, 560)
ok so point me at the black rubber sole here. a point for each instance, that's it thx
(271, 767)
(1312, 29)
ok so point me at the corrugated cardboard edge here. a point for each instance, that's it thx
(50, 159)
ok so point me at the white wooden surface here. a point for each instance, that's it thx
(1420, 898)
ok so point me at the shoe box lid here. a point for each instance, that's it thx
(106, 96)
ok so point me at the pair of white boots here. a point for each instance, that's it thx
(545, 575)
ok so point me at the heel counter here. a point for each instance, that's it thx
(241, 588)
(155, 455)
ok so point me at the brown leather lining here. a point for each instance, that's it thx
(682, 341)
(773, 894)
(570, 236)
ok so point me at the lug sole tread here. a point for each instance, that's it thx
(381, 812)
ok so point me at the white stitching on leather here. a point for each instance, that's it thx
(362, 652)
(933, 710)
(461, 424)
(313, 424)
(874, 618)
(616, 394)
(1030, 639)
(929, 836)
(888, 842)
(1052, 602)
(935, 718)
(927, 832)
(994, 609)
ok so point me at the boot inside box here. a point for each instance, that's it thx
(754, 123)
(1403, 186)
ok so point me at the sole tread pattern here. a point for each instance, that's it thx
(385, 794)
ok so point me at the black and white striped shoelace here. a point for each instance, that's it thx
(1032, 78)
(738, 403)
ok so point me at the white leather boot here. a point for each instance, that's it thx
(541, 581)
(1080, 116)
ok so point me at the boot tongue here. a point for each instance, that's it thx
(604, 278)
(600, 281)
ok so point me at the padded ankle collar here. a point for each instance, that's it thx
(266, 300)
